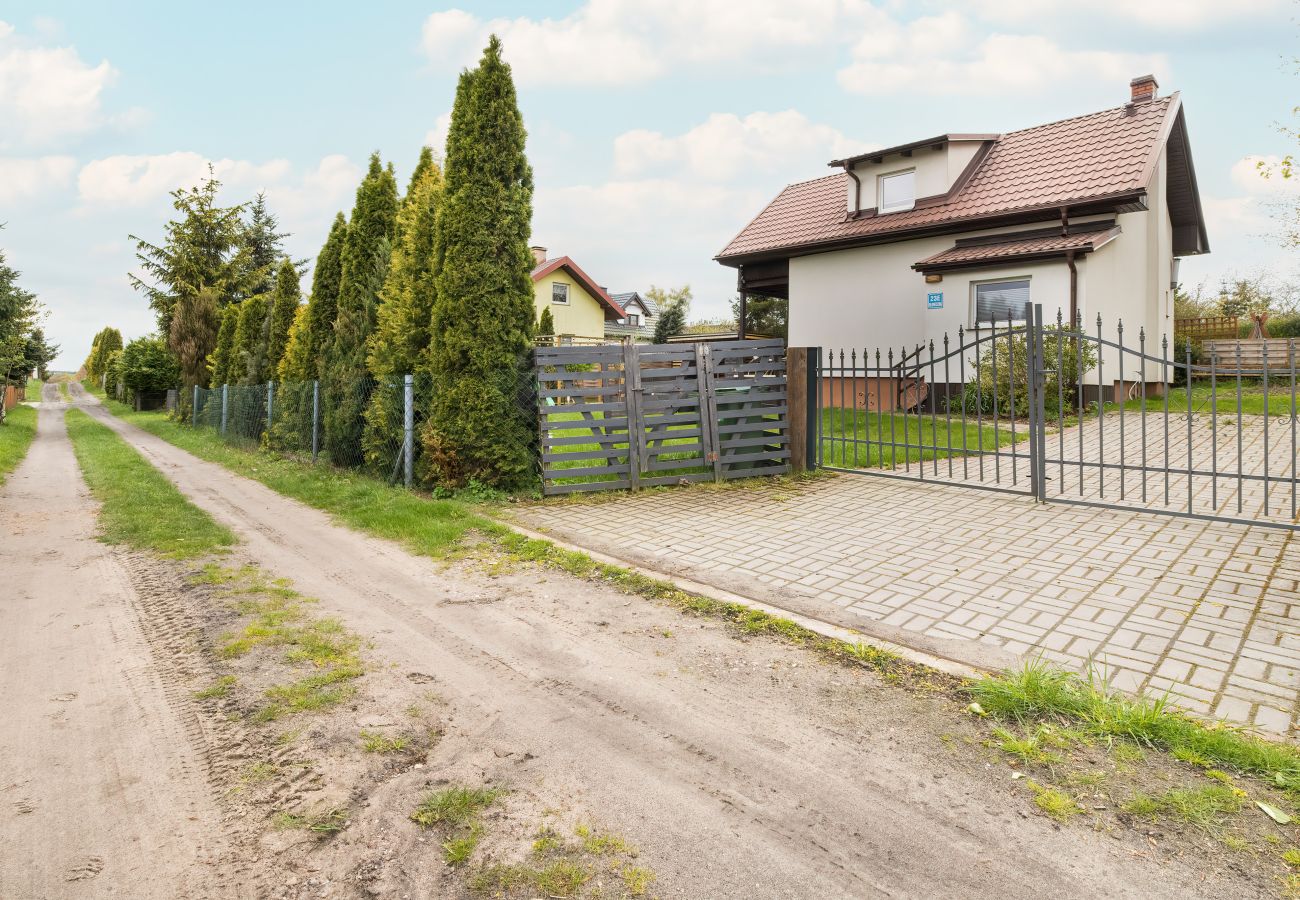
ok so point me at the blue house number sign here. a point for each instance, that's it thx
(934, 300)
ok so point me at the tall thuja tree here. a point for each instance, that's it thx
(106, 343)
(365, 258)
(400, 341)
(482, 322)
(310, 339)
(283, 308)
(220, 368)
(323, 305)
(249, 358)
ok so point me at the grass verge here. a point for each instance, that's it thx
(15, 437)
(1038, 692)
(139, 507)
(423, 525)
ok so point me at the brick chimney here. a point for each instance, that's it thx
(1143, 89)
(539, 255)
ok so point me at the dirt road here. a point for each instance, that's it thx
(739, 769)
(102, 790)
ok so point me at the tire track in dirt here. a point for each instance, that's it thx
(714, 756)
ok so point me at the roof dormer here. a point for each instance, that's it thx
(898, 179)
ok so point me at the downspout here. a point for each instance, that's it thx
(857, 190)
(1074, 288)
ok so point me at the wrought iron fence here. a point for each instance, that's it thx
(1071, 414)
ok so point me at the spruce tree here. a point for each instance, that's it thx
(546, 323)
(483, 314)
(284, 306)
(223, 353)
(400, 341)
(249, 356)
(323, 305)
(365, 258)
(260, 248)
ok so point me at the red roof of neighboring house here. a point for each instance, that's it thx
(582, 278)
(1029, 245)
(1102, 161)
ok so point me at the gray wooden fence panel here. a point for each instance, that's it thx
(636, 415)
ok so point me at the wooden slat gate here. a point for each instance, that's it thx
(636, 415)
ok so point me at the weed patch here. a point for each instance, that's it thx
(327, 822)
(219, 688)
(374, 742)
(1056, 804)
(1204, 806)
(456, 810)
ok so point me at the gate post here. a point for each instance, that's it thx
(270, 399)
(194, 410)
(408, 428)
(801, 375)
(225, 407)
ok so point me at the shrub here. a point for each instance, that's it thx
(1004, 364)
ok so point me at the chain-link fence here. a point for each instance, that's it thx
(381, 426)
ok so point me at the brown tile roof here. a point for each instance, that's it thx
(1076, 161)
(602, 296)
(1031, 246)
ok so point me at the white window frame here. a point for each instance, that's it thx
(564, 293)
(974, 297)
(880, 192)
(634, 319)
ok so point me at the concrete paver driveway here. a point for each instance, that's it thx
(1208, 611)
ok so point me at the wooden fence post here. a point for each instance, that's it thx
(798, 388)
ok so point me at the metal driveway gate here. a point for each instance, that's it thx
(1072, 415)
(636, 415)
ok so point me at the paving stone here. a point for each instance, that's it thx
(1174, 604)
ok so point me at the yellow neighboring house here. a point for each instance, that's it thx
(579, 306)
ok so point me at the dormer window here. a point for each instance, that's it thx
(897, 191)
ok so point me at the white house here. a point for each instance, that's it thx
(1087, 215)
(639, 319)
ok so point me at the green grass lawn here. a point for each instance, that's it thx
(424, 525)
(940, 440)
(1224, 397)
(15, 437)
(34, 390)
(139, 506)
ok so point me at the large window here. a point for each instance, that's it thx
(898, 191)
(998, 301)
(560, 293)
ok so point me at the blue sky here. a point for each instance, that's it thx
(656, 128)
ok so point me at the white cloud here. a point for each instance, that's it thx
(1247, 174)
(24, 178)
(945, 54)
(614, 42)
(48, 93)
(1178, 15)
(139, 180)
(436, 137)
(726, 147)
